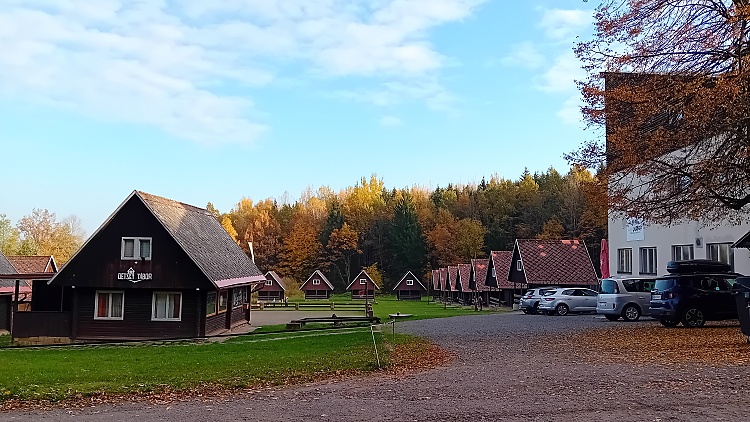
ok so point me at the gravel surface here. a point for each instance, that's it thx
(507, 367)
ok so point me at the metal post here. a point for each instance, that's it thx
(14, 310)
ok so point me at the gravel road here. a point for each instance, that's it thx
(508, 367)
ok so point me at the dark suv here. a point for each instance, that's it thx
(694, 292)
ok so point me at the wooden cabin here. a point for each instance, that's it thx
(444, 285)
(450, 284)
(33, 264)
(477, 278)
(155, 269)
(435, 283)
(317, 286)
(501, 290)
(463, 292)
(273, 290)
(538, 263)
(409, 287)
(362, 286)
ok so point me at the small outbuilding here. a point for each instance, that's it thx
(317, 287)
(362, 286)
(409, 287)
(273, 290)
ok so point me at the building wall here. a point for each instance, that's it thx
(5, 312)
(663, 238)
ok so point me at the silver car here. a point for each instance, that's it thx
(628, 298)
(529, 301)
(566, 300)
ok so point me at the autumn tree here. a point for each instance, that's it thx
(44, 235)
(674, 100)
(10, 238)
(407, 245)
(337, 255)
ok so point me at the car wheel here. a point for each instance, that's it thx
(693, 317)
(612, 317)
(562, 309)
(535, 308)
(631, 313)
(668, 322)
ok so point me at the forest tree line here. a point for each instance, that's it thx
(390, 231)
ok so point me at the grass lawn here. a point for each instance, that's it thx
(60, 373)
(4, 340)
(388, 304)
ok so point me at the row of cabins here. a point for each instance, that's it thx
(531, 263)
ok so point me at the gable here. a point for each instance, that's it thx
(356, 281)
(410, 276)
(5, 266)
(478, 276)
(316, 275)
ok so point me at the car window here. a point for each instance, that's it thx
(588, 292)
(631, 285)
(665, 284)
(530, 292)
(647, 285)
(549, 292)
(609, 286)
(568, 292)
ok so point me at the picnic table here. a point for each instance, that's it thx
(337, 321)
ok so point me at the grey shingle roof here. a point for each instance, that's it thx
(204, 240)
(5, 266)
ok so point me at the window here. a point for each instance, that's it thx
(648, 260)
(269, 282)
(166, 306)
(362, 281)
(316, 282)
(720, 252)
(109, 305)
(223, 301)
(682, 252)
(625, 260)
(519, 265)
(211, 303)
(493, 272)
(409, 282)
(237, 297)
(136, 248)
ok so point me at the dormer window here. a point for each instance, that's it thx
(269, 282)
(316, 282)
(136, 248)
(409, 282)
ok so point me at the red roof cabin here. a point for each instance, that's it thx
(317, 287)
(463, 292)
(501, 289)
(444, 285)
(538, 263)
(450, 284)
(477, 277)
(362, 286)
(273, 290)
(409, 287)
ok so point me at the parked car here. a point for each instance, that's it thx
(694, 292)
(628, 298)
(529, 301)
(565, 300)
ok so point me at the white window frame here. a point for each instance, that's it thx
(153, 307)
(493, 273)
(519, 265)
(269, 282)
(136, 249)
(718, 245)
(109, 311)
(316, 282)
(625, 261)
(650, 262)
(409, 282)
(678, 252)
(362, 281)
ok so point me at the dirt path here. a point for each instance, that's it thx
(508, 367)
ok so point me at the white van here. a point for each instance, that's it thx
(628, 298)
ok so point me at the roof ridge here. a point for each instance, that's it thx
(171, 202)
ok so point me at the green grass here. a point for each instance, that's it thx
(5, 340)
(388, 304)
(59, 373)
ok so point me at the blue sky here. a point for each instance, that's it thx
(214, 101)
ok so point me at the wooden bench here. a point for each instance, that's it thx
(337, 321)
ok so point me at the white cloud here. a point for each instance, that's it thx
(563, 73)
(570, 112)
(170, 63)
(390, 121)
(559, 24)
(524, 55)
(429, 91)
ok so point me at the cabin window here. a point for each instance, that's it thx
(493, 272)
(409, 282)
(362, 281)
(519, 265)
(223, 301)
(269, 282)
(136, 248)
(316, 282)
(109, 305)
(167, 306)
(211, 304)
(237, 297)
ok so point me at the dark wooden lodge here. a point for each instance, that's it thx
(362, 287)
(409, 287)
(463, 292)
(317, 286)
(155, 269)
(477, 278)
(273, 290)
(497, 277)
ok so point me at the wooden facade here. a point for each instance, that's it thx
(273, 289)
(362, 286)
(409, 287)
(156, 269)
(317, 287)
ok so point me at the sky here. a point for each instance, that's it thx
(214, 101)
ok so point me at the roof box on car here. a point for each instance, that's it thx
(697, 266)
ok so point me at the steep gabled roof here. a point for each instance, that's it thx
(443, 278)
(200, 236)
(321, 276)
(556, 262)
(5, 266)
(452, 275)
(464, 272)
(366, 275)
(479, 268)
(271, 275)
(501, 260)
(435, 280)
(33, 264)
(409, 273)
